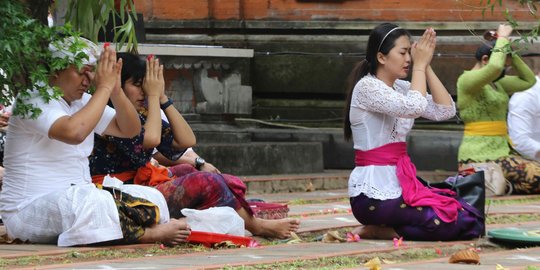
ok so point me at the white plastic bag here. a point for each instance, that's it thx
(216, 220)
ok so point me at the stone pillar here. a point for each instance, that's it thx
(225, 96)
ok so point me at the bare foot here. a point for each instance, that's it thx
(375, 232)
(276, 228)
(174, 232)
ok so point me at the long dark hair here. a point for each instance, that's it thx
(381, 39)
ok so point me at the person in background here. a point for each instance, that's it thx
(385, 195)
(482, 100)
(524, 120)
(183, 186)
(47, 194)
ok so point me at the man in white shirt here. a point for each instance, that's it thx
(524, 121)
(47, 194)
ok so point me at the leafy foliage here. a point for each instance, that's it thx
(89, 17)
(525, 37)
(25, 59)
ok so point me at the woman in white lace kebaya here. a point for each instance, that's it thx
(385, 195)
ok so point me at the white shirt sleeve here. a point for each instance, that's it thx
(373, 95)
(523, 112)
(438, 112)
(50, 112)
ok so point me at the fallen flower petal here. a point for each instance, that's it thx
(353, 237)
(398, 242)
(253, 244)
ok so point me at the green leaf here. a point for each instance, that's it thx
(24, 54)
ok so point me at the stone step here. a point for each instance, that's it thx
(219, 132)
(326, 222)
(218, 259)
(332, 221)
(337, 153)
(430, 149)
(508, 259)
(268, 185)
(304, 210)
(343, 206)
(284, 183)
(239, 150)
(309, 116)
(310, 224)
(9, 251)
(288, 253)
(264, 158)
(313, 222)
(515, 209)
(340, 194)
(317, 195)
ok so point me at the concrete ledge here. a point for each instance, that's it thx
(251, 152)
(324, 24)
(256, 158)
(432, 150)
(337, 153)
(193, 50)
(296, 183)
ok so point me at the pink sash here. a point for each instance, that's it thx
(413, 192)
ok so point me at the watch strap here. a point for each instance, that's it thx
(166, 104)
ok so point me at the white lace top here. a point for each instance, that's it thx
(380, 115)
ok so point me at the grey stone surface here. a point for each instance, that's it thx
(434, 149)
(204, 137)
(217, 259)
(182, 97)
(430, 150)
(296, 184)
(509, 260)
(208, 91)
(314, 195)
(337, 153)
(225, 96)
(264, 157)
(237, 97)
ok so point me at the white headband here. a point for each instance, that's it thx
(380, 45)
(60, 49)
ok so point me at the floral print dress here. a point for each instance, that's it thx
(188, 188)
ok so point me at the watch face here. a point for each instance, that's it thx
(199, 161)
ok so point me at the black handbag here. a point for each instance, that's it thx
(470, 188)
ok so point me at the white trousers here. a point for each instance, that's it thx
(81, 214)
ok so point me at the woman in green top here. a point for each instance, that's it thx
(483, 104)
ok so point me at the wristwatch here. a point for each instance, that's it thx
(199, 162)
(166, 104)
